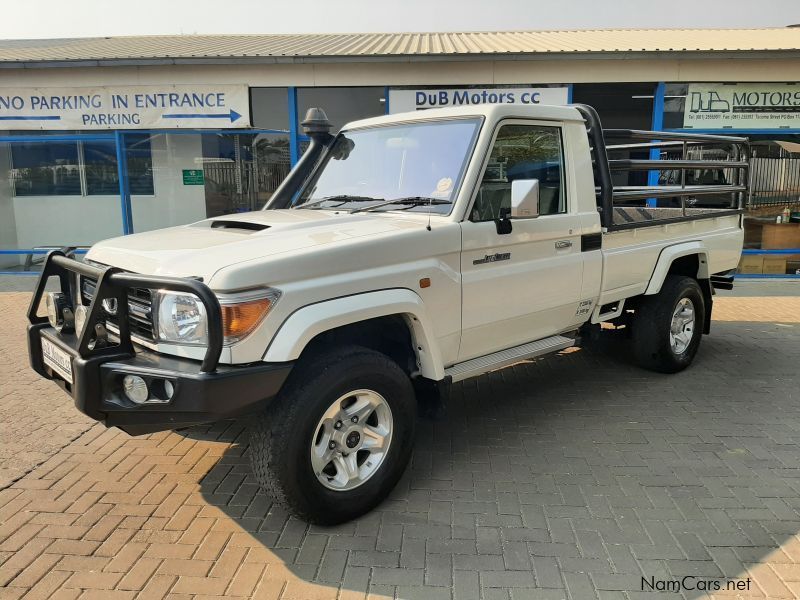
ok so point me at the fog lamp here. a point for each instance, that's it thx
(135, 389)
(59, 312)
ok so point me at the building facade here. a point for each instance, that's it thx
(118, 135)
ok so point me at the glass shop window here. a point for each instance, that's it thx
(80, 168)
(45, 169)
(140, 164)
(342, 105)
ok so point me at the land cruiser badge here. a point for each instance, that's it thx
(490, 258)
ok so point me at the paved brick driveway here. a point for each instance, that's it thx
(35, 423)
(570, 477)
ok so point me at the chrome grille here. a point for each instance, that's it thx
(140, 309)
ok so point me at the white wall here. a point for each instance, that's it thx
(66, 220)
(8, 226)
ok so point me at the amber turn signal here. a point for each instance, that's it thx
(240, 319)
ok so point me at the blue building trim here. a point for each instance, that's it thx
(771, 251)
(657, 125)
(124, 188)
(36, 251)
(243, 131)
(732, 131)
(765, 276)
(294, 142)
(386, 100)
(98, 137)
(569, 93)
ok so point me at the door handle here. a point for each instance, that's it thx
(561, 244)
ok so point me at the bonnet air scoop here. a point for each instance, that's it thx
(240, 225)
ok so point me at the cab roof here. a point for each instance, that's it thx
(491, 112)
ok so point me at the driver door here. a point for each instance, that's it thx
(522, 285)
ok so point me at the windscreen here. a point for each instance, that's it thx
(410, 166)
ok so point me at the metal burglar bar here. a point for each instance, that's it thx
(775, 181)
(609, 196)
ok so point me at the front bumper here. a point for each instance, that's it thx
(203, 392)
(228, 391)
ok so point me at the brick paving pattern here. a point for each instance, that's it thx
(573, 476)
(35, 423)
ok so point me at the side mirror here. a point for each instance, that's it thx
(524, 199)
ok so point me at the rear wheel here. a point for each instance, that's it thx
(668, 326)
(338, 437)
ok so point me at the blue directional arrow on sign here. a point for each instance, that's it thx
(31, 118)
(232, 115)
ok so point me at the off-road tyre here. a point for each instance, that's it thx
(653, 321)
(281, 437)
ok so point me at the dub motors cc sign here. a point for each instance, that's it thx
(742, 106)
(409, 100)
(126, 107)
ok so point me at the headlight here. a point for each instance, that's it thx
(182, 317)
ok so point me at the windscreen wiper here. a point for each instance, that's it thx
(410, 202)
(343, 198)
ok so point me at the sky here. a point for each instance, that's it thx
(23, 19)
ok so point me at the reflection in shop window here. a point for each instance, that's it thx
(241, 171)
(100, 165)
(140, 164)
(45, 169)
(80, 168)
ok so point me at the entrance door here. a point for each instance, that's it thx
(523, 285)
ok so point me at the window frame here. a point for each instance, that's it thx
(555, 124)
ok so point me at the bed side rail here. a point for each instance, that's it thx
(617, 203)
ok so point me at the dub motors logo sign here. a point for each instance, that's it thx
(408, 100)
(742, 106)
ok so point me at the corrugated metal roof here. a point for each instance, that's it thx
(366, 45)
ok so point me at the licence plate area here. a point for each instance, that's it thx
(57, 359)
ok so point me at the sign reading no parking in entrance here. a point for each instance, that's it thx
(126, 107)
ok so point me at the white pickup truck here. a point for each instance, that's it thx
(403, 253)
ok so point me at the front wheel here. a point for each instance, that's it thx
(668, 326)
(338, 437)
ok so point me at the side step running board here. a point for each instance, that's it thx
(498, 360)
